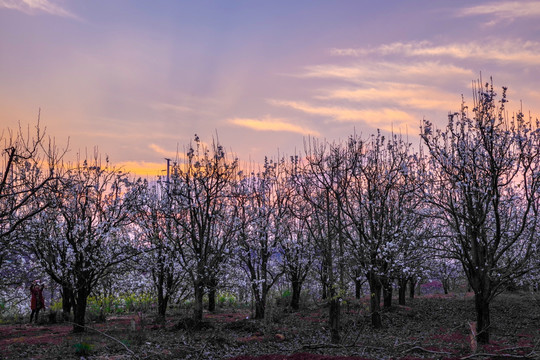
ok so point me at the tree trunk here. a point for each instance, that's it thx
(198, 308)
(212, 289)
(79, 310)
(324, 291)
(259, 296)
(446, 285)
(375, 300)
(482, 318)
(296, 286)
(212, 299)
(324, 280)
(162, 306)
(402, 290)
(334, 319)
(412, 286)
(387, 293)
(260, 307)
(67, 295)
(357, 288)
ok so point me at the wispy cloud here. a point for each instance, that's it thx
(392, 87)
(404, 95)
(162, 152)
(367, 70)
(515, 51)
(171, 108)
(504, 10)
(383, 118)
(32, 7)
(272, 124)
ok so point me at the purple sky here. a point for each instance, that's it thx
(139, 78)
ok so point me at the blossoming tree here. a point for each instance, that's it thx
(485, 181)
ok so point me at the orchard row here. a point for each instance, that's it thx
(372, 210)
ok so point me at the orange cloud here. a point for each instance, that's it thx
(143, 168)
(272, 124)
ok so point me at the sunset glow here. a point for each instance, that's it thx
(139, 79)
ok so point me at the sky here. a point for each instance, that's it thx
(138, 79)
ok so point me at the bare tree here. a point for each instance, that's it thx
(485, 173)
(28, 164)
(201, 212)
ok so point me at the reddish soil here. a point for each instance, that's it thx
(409, 333)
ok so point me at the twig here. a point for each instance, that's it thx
(336, 346)
(528, 356)
(396, 344)
(355, 340)
(321, 346)
(109, 336)
(517, 348)
(201, 352)
(426, 350)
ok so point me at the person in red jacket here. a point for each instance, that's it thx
(38, 302)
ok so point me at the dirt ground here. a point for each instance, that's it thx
(435, 327)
